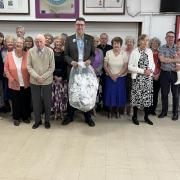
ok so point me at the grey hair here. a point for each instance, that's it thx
(154, 39)
(129, 38)
(50, 35)
(20, 27)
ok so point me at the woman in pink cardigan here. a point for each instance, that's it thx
(18, 81)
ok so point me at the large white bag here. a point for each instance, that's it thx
(83, 87)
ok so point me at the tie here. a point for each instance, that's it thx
(40, 52)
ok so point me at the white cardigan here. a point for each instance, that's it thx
(134, 59)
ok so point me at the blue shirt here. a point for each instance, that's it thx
(168, 52)
(80, 45)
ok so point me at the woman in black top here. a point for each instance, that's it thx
(60, 90)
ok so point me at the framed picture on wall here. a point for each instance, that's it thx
(57, 8)
(95, 7)
(14, 7)
(177, 30)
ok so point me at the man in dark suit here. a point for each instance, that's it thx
(78, 48)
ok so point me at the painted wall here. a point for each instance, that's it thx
(153, 23)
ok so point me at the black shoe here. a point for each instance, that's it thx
(148, 121)
(36, 125)
(66, 121)
(152, 113)
(90, 122)
(117, 115)
(162, 115)
(175, 117)
(109, 115)
(135, 121)
(27, 121)
(47, 125)
(98, 108)
(16, 122)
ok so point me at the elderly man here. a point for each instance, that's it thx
(20, 31)
(103, 43)
(79, 47)
(168, 75)
(41, 67)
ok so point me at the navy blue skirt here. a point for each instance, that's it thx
(115, 92)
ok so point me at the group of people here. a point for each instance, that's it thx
(34, 78)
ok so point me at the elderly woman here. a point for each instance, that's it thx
(29, 43)
(49, 39)
(154, 44)
(129, 42)
(8, 47)
(18, 82)
(115, 65)
(97, 64)
(141, 65)
(59, 92)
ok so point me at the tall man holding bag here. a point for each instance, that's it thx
(79, 49)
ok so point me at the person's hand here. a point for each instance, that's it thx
(147, 72)
(40, 80)
(156, 77)
(15, 83)
(74, 63)
(167, 60)
(177, 68)
(113, 77)
(59, 78)
(56, 78)
(87, 62)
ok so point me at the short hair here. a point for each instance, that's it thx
(58, 38)
(64, 35)
(21, 38)
(154, 39)
(20, 27)
(9, 37)
(29, 38)
(129, 38)
(1, 34)
(141, 37)
(103, 34)
(117, 39)
(48, 34)
(170, 32)
(80, 19)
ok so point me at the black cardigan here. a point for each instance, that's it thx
(60, 65)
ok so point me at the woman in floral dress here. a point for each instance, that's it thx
(60, 90)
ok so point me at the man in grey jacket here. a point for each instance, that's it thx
(41, 66)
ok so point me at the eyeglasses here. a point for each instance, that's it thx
(170, 36)
(80, 24)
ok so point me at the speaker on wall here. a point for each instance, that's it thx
(170, 6)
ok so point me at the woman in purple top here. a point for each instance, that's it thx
(97, 64)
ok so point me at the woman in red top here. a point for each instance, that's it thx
(154, 44)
